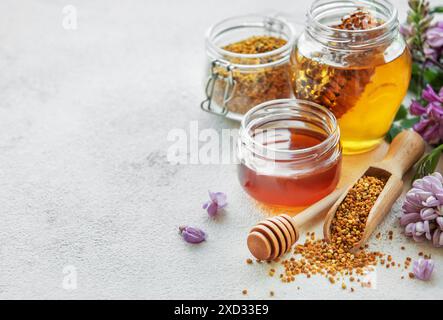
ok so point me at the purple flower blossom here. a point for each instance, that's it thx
(423, 210)
(431, 96)
(416, 108)
(192, 234)
(437, 238)
(434, 35)
(434, 42)
(432, 53)
(218, 200)
(430, 126)
(406, 30)
(423, 269)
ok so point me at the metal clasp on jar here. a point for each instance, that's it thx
(229, 87)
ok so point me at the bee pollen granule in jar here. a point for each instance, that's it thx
(249, 64)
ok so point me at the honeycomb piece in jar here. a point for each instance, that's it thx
(338, 88)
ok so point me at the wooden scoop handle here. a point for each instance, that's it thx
(273, 237)
(406, 149)
(317, 208)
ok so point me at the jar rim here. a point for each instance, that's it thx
(248, 21)
(331, 141)
(392, 18)
(320, 29)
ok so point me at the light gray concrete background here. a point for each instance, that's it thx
(84, 181)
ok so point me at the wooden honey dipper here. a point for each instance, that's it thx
(274, 236)
(405, 150)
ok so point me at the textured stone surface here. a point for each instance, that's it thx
(84, 180)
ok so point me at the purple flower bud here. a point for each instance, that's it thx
(192, 234)
(434, 36)
(408, 218)
(423, 269)
(430, 95)
(419, 238)
(419, 228)
(432, 133)
(218, 200)
(428, 214)
(418, 187)
(431, 53)
(423, 195)
(438, 174)
(416, 108)
(428, 227)
(406, 30)
(437, 238)
(410, 229)
(434, 110)
(431, 202)
(422, 125)
(432, 184)
(430, 126)
(408, 206)
(439, 221)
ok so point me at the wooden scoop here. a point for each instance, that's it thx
(273, 237)
(405, 150)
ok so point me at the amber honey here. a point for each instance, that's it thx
(291, 189)
(364, 99)
(352, 60)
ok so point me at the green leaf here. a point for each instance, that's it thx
(428, 163)
(399, 126)
(416, 84)
(434, 77)
(401, 113)
(437, 10)
(409, 122)
(395, 129)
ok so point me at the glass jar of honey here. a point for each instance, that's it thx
(289, 152)
(248, 63)
(352, 59)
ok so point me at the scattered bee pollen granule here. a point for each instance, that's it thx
(336, 258)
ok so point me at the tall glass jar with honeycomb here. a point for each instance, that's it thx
(352, 59)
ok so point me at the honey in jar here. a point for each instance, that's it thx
(352, 60)
(289, 153)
